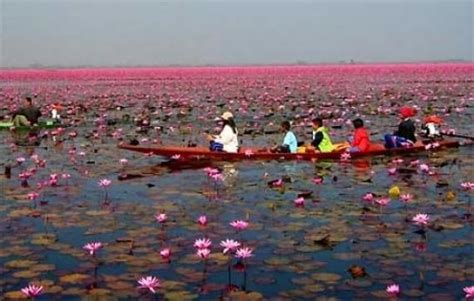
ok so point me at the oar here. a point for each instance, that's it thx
(457, 136)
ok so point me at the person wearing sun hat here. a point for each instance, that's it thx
(429, 126)
(227, 140)
(405, 135)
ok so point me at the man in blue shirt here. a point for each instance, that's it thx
(290, 144)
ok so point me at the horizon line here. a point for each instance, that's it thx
(302, 63)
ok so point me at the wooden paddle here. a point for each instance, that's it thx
(449, 135)
(457, 136)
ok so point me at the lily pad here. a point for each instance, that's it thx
(74, 278)
(26, 274)
(180, 296)
(15, 295)
(326, 277)
(20, 263)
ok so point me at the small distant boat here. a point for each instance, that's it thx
(46, 124)
(265, 154)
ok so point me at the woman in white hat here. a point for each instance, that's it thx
(227, 140)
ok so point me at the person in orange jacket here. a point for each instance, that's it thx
(360, 141)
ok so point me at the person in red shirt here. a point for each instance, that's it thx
(360, 141)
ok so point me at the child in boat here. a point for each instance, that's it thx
(290, 143)
(227, 140)
(321, 139)
(405, 135)
(360, 141)
(430, 127)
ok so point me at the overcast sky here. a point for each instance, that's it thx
(110, 33)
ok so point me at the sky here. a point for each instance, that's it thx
(71, 33)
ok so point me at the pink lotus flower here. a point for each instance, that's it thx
(32, 290)
(383, 201)
(392, 171)
(93, 247)
(161, 217)
(421, 219)
(468, 185)
(104, 183)
(424, 168)
(211, 171)
(202, 243)
(25, 175)
(243, 253)
(317, 180)
(151, 283)
(248, 152)
(415, 162)
(239, 224)
(368, 197)
(217, 177)
(65, 176)
(299, 201)
(33, 196)
(203, 253)
(229, 245)
(202, 220)
(406, 197)
(123, 161)
(397, 161)
(176, 157)
(165, 253)
(393, 290)
(450, 131)
(345, 156)
(278, 183)
(20, 160)
(469, 290)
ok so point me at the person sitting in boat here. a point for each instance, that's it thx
(321, 139)
(430, 127)
(27, 115)
(360, 141)
(227, 140)
(405, 135)
(290, 143)
(55, 109)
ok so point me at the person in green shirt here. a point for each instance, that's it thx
(27, 115)
(321, 139)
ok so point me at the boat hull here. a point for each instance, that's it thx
(262, 154)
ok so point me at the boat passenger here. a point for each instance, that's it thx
(321, 139)
(290, 143)
(430, 127)
(360, 141)
(405, 135)
(27, 115)
(55, 109)
(227, 140)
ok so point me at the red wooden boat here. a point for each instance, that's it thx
(264, 154)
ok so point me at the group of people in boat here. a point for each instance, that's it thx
(404, 136)
(227, 140)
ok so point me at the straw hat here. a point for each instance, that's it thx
(227, 115)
